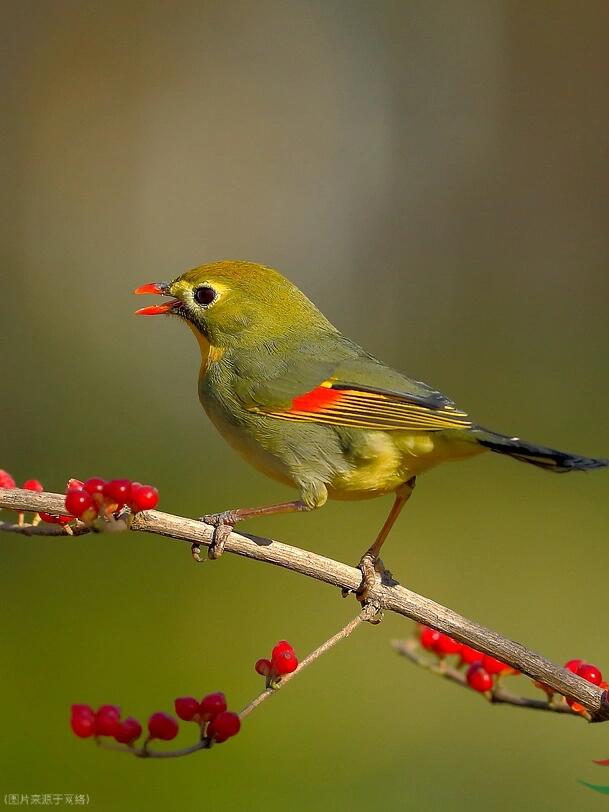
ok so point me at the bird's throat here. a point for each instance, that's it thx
(209, 353)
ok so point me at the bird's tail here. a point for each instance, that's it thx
(560, 462)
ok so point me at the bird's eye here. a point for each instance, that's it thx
(204, 295)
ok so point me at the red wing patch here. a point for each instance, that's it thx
(369, 409)
(319, 398)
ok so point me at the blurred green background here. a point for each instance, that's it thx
(435, 175)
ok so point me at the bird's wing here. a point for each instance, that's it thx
(356, 391)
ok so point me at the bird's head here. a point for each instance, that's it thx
(235, 303)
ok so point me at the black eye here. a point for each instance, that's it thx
(204, 295)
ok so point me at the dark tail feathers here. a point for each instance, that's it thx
(548, 458)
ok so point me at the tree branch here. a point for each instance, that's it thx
(390, 596)
(497, 695)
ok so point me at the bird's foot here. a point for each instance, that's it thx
(223, 524)
(373, 573)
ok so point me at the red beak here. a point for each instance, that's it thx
(159, 288)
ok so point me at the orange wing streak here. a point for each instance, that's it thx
(319, 398)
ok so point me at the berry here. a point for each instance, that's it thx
(82, 721)
(212, 705)
(79, 502)
(478, 678)
(263, 667)
(281, 646)
(470, 655)
(51, 519)
(575, 706)
(573, 665)
(285, 662)
(107, 720)
(162, 726)
(225, 725)
(447, 645)
(429, 637)
(494, 666)
(590, 673)
(94, 485)
(74, 484)
(32, 485)
(6, 480)
(118, 490)
(128, 731)
(143, 497)
(186, 707)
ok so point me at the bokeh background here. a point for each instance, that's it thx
(435, 175)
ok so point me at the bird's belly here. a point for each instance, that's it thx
(245, 443)
(384, 460)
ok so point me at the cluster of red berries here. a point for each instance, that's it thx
(106, 721)
(216, 722)
(591, 673)
(7, 481)
(482, 669)
(283, 661)
(86, 500)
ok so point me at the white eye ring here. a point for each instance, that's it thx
(204, 295)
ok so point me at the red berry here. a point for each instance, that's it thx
(118, 490)
(447, 645)
(211, 705)
(575, 706)
(143, 497)
(107, 720)
(187, 707)
(75, 484)
(573, 665)
(285, 662)
(6, 480)
(94, 485)
(494, 666)
(128, 731)
(429, 637)
(225, 725)
(51, 519)
(82, 721)
(263, 667)
(478, 678)
(281, 646)
(470, 655)
(590, 672)
(32, 485)
(162, 726)
(78, 502)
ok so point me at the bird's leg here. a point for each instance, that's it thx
(224, 522)
(370, 563)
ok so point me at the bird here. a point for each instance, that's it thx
(309, 407)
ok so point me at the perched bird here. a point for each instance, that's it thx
(310, 408)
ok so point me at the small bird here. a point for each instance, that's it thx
(309, 407)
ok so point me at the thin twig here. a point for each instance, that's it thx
(310, 658)
(389, 595)
(205, 743)
(498, 695)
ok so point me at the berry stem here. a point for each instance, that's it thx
(348, 629)
(498, 695)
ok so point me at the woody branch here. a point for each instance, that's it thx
(390, 597)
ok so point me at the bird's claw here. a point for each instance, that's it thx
(223, 526)
(373, 573)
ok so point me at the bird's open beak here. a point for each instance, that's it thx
(160, 288)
